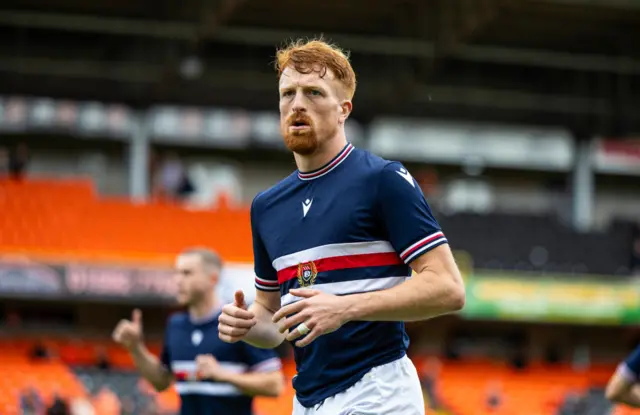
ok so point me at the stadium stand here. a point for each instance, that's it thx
(36, 222)
(126, 385)
(58, 219)
(72, 373)
(62, 218)
(65, 219)
(20, 372)
(541, 388)
(564, 250)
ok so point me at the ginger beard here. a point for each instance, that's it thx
(299, 134)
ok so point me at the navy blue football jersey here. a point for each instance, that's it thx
(352, 226)
(184, 340)
(631, 366)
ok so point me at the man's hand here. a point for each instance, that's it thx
(128, 333)
(322, 314)
(235, 321)
(207, 367)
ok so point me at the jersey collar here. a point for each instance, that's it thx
(337, 160)
(206, 318)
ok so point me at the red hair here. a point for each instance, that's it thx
(317, 56)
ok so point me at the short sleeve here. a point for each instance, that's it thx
(407, 217)
(630, 368)
(266, 275)
(261, 360)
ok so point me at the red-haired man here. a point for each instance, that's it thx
(335, 244)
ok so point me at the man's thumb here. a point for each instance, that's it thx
(239, 299)
(136, 317)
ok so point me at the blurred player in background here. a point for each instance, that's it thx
(212, 377)
(334, 246)
(624, 385)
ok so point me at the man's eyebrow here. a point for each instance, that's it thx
(303, 86)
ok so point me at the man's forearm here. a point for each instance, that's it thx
(265, 334)
(151, 368)
(255, 384)
(421, 297)
(630, 397)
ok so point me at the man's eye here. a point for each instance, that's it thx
(316, 92)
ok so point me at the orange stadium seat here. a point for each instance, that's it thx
(49, 378)
(54, 376)
(462, 385)
(62, 219)
(538, 388)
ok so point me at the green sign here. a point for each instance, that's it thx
(536, 298)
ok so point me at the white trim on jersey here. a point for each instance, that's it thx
(205, 388)
(341, 157)
(349, 287)
(263, 280)
(435, 238)
(267, 285)
(272, 288)
(190, 366)
(269, 365)
(332, 250)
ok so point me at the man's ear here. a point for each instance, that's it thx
(345, 110)
(214, 276)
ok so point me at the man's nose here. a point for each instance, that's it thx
(299, 103)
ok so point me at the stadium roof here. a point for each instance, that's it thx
(563, 62)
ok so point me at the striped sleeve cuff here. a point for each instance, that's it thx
(422, 246)
(269, 365)
(267, 285)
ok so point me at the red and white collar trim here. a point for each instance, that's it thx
(337, 160)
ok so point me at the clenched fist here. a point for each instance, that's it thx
(235, 320)
(207, 367)
(128, 333)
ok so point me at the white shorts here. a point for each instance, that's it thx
(391, 389)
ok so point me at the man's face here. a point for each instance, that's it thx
(311, 109)
(192, 279)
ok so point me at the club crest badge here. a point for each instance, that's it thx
(307, 273)
(196, 337)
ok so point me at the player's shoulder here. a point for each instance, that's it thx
(262, 199)
(386, 175)
(377, 165)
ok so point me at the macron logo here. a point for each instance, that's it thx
(306, 205)
(407, 176)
